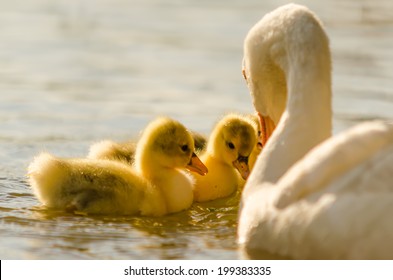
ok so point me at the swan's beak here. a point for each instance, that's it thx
(267, 128)
(196, 165)
(241, 164)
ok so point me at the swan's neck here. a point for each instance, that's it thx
(305, 123)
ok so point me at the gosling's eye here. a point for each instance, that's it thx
(259, 133)
(184, 148)
(230, 145)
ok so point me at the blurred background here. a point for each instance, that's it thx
(75, 72)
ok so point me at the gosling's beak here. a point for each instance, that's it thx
(267, 128)
(241, 164)
(196, 165)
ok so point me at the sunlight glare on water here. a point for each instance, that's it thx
(75, 72)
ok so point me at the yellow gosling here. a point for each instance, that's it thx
(158, 187)
(172, 148)
(228, 149)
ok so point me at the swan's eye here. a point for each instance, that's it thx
(244, 74)
(230, 145)
(184, 148)
(244, 69)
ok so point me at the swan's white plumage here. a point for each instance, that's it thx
(335, 158)
(309, 197)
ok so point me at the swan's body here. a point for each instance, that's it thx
(309, 195)
(157, 187)
(228, 149)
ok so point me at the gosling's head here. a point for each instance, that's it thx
(233, 140)
(167, 143)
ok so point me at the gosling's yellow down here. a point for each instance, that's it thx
(158, 185)
(125, 152)
(228, 149)
(108, 149)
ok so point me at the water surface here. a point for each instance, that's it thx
(75, 72)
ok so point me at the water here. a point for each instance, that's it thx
(75, 72)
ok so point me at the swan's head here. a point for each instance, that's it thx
(264, 66)
(263, 52)
(283, 52)
(167, 143)
(232, 140)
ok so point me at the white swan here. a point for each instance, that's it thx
(310, 195)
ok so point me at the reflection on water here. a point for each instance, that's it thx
(204, 231)
(75, 72)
